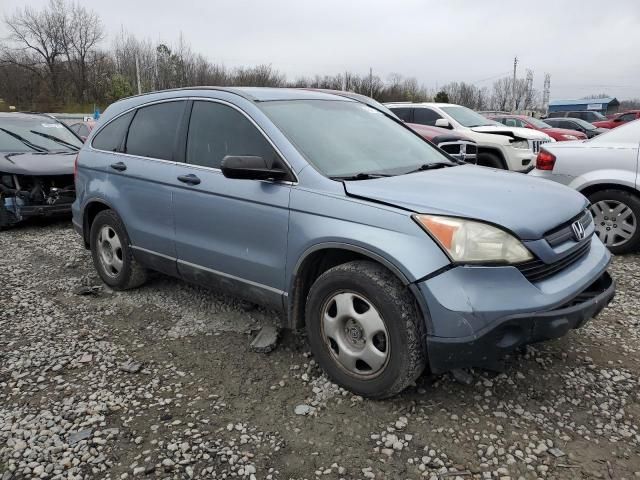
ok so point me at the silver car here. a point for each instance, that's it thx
(605, 170)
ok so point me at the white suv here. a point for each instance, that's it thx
(499, 146)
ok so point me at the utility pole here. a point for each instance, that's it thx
(546, 93)
(371, 82)
(513, 86)
(138, 74)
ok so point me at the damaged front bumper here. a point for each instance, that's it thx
(477, 314)
(23, 197)
(486, 347)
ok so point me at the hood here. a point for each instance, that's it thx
(429, 132)
(32, 163)
(527, 133)
(527, 206)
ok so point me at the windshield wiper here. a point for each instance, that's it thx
(56, 139)
(360, 176)
(33, 146)
(432, 166)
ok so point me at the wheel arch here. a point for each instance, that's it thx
(599, 187)
(493, 151)
(91, 209)
(318, 259)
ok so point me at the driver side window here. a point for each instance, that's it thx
(217, 130)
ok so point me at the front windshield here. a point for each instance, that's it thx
(538, 123)
(345, 138)
(598, 116)
(35, 134)
(467, 117)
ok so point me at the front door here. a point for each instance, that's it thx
(230, 234)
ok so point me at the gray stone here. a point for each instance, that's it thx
(76, 437)
(266, 340)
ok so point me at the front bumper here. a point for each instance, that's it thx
(485, 347)
(476, 314)
(24, 212)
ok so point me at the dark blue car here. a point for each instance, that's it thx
(392, 254)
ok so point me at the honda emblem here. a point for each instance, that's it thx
(578, 230)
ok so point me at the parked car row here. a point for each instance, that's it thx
(498, 146)
(354, 219)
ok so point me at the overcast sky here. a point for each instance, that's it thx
(588, 46)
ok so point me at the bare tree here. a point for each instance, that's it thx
(37, 41)
(81, 33)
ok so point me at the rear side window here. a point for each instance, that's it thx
(425, 116)
(110, 138)
(153, 130)
(403, 113)
(217, 130)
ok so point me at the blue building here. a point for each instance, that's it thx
(605, 106)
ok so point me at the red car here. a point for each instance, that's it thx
(618, 119)
(454, 143)
(83, 129)
(558, 134)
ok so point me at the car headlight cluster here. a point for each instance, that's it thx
(569, 137)
(523, 144)
(471, 241)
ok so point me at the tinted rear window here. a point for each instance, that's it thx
(425, 116)
(110, 138)
(403, 113)
(153, 130)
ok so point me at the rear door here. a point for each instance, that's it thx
(230, 234)
(145, 171)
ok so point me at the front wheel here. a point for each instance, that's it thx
(364, 330)
(616, 214)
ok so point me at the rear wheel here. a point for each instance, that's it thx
(364, 329)
(112, 255)
(491, 160)
(616, 214)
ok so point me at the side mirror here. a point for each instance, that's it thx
(251, 168)
(443, 123)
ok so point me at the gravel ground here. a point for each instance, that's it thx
(160, 383)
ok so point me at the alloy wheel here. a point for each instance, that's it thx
(355, 334)
(615, 222)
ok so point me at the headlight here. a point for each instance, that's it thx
(524, 144)
(469, 241)
(569, 137)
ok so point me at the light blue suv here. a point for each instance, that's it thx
(328, 208)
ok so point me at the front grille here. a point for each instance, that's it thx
(461, 150)
(451, 148)
(536, 144)
(564, 232)
(536, 270)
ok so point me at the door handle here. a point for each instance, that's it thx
(121, 167)
(190, 179)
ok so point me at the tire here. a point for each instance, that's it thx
(118, 269)
(490, 160)
(399, 338)
(616, 214)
